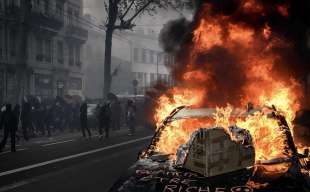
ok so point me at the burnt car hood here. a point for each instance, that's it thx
(156, 174)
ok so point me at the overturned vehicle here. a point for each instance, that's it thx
(204, 149)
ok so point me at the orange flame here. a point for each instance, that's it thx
(263, 86)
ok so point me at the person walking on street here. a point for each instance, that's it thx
(9, 121)
(26, 118)
(131, 117)
(105, 120)
(115, 113)
(47, 114)
(97, 115)
(83, 119)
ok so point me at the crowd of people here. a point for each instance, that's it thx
(34, 118)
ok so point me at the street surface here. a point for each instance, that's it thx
(70, 163)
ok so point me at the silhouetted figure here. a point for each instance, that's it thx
(36, 115)
(98, 117)
(47, 115)
(9, 121)
(26, 118)
(40, 118)
(118, 116)
(83, 119)
(2, 110)
(131, 117)
(59, 114)
(115, 114)
(105, 120)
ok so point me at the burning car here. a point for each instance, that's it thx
(210, 151)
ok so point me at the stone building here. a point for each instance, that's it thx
(41, 43)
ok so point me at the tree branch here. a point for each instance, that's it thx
(140, 10)
(126, 12)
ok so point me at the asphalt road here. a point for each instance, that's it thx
(71, 164)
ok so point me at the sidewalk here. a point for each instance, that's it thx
(66, 135)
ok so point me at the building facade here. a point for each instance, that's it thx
(52, 43)
(136, 56)
(149, 63)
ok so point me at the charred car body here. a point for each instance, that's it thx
(214, 158)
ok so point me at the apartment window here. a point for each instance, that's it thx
(144, 55)
(152, 55)
(140, 77)
(71, 55)
(75, 83)
(43, 85)
(59, 9)
(160, 58)
(11, 3)
(39, 49)
(60, 52)
(70, 15)
(152, 78)
(12, 43)
(77, 13)
(45, 6)
(78, 56)
(136, 54)
(48, 50)
(167, 60)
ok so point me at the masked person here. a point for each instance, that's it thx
(83, 120)
(9, 122)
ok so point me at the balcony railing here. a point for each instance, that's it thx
(42, 57)
(39, 57)
(79, 63)
(76, 31)
(46, 18)
(12, 12)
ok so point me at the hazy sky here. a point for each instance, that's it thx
(96, 9)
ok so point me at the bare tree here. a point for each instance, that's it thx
(120, 16)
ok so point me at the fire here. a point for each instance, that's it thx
(268, 140)
(206, 36)
(175, 98)
(232, 61)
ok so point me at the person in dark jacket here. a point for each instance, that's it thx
(105, 120)
(83, 119)
(10, 121)
(26, 118)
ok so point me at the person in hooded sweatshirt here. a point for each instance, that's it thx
(9, 121)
